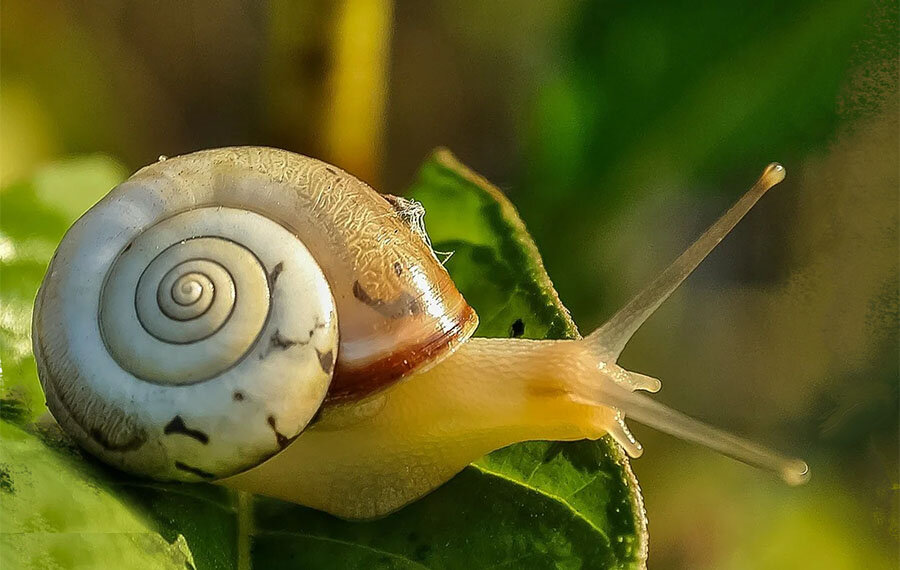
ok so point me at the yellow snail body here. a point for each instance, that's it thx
(267, 321)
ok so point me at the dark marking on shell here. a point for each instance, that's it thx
(177, 426)
(238, 396)
(194, 470)
(326, 360)
(273, 275)
(280, 342)
(405, 304)
(319, 324)
(331, 170)
(517, 329)
(127, 247)
(398, 268)
(282, 440)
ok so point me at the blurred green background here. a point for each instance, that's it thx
(620, 130)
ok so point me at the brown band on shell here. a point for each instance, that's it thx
(349, 384)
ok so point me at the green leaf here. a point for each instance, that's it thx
(58, 513)
(536, 504)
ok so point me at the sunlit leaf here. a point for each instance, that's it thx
(58, 512)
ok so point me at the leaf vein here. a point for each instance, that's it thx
(547, 494)
(371, 549)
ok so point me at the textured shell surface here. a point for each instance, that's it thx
(192, 323)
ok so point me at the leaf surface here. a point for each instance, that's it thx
(58, 513)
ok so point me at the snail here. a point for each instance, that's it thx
(267, 321)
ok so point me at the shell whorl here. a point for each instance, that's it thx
(199, 304)
(187, 344)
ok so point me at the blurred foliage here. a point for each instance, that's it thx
(619, 130)
(675, 95)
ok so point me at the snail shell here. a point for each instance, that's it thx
(220, 297)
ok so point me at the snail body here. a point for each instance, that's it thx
(265, 320)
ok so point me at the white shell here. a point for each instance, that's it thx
(183, 342)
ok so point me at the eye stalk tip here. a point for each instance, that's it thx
(773, 174)
(795, 472)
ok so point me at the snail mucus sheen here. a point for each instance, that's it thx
(195, 321)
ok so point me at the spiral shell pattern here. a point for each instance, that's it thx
(190, 324)
(183, 345)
